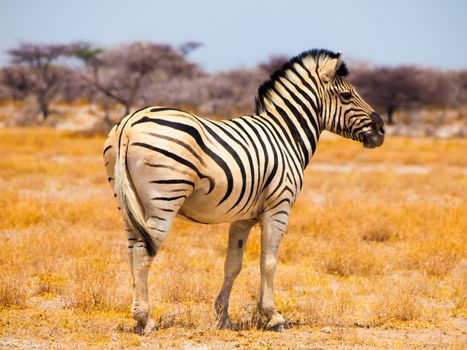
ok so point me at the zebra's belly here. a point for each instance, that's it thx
(203, 208)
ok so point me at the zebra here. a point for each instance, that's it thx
(164, 163)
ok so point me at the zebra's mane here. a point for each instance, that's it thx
(317, 55)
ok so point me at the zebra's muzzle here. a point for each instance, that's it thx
(375, 137)
(372, 141)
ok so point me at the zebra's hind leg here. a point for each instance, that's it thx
(238, 235)
(140, 307)
(141, 262)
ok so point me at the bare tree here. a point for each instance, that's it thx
(17, 80)
(122, 72)
(36, 72)
(75, 87)
(222, 94)
(398, 87)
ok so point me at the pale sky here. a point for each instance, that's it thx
(242, 33)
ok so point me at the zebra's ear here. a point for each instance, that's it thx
(328, 69)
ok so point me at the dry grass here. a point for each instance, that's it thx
(375, 250)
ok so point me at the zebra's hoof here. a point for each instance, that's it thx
(144, 329)
(150, 327)
(225, 324)
(138, 328)
(277, 328)
(276, 323)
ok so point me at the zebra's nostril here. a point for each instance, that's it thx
(381, 130)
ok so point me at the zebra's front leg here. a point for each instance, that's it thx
(238, 236)
(273, 228)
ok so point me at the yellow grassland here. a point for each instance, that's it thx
(375, 254)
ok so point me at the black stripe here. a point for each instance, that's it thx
(353, 110)
(280, 212)
(238, 123)
(293, 129)
(173, 182)
(283, 158)
(232, 121)
(250, 160)
(106, 149)
(285, 189)
(263, 147)
(161, 109)
(312, 118)
(280, 229)
(157, 229)
(335, 119)
(237, 159)
(177, 159)
(181, 143)
(294, 132)
(280, 222)
(310, 89)
(123, 127)
(314, 90)
(274, 123)
(339, 128)
(357, 117)
(275, 158)
(167, 198)
(193, 132)
(280, 183)
(280, 202)
(293, 146)
(360, 128)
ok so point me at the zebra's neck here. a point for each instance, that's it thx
(292, 98)
(292, 109)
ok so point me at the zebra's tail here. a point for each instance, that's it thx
(127, 197)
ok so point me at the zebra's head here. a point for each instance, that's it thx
(310, 88)
(344, 111)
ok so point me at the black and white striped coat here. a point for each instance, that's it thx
(163, 162)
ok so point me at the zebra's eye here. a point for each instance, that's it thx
(346, 95)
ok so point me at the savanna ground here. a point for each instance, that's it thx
(374, 257)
